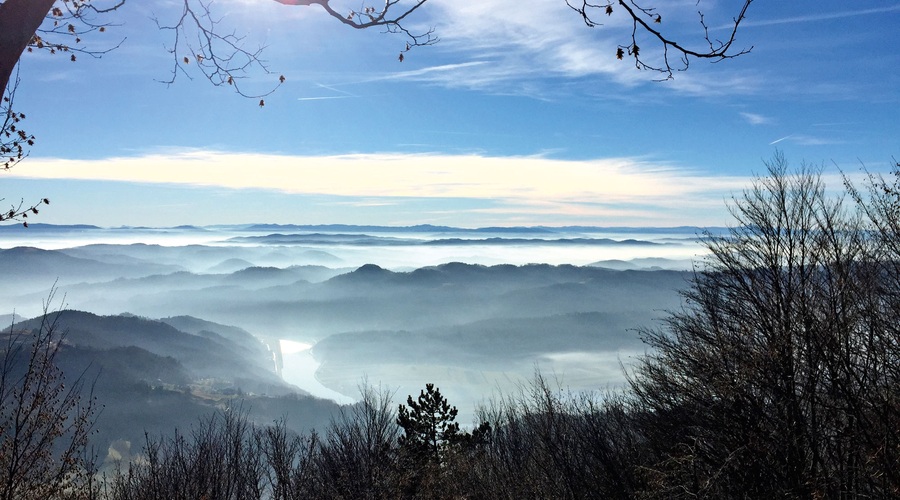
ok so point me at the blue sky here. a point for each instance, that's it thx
(520, 115)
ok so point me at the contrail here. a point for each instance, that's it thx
(822, 17)
(776, 141)
(323, 98)
(328, 87)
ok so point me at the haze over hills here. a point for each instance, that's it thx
(151, 376)
(471, 310)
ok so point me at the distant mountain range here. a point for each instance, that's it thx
(351, 228)
(462, 308)
(40, 227)
(366, 240)
(36, 263)
(428, 228)
(645, 263)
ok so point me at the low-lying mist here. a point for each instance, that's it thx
(476, 312)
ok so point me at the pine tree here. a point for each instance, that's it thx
(429, 426)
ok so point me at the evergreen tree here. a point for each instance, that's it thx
(429, 426)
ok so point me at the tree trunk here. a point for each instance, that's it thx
(19, 19)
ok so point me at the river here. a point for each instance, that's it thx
(299, 368)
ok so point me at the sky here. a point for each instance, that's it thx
(519, 116)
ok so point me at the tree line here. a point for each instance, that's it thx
(778, 377)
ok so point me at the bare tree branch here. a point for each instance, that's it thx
(14, 140)
(45, 420)
(55, 28)
(372, 17)
(19, 212)
(676, 55)
(224, 59)
(71, 23)
(59, 27)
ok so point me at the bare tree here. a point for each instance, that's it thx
(646, 23)
(292, 472)
(546, 442)
(879, 201)
(227, 456)
(221, 457)
(45, 420)
(776, 379)
(357, 452)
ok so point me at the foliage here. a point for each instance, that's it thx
(429, 425)
(433, 451)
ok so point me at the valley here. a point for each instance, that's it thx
(476, 312)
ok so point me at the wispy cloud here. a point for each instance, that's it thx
(755, 119)
(821, 17)
(508, 41)
(433, 70)
(809, 140)
(527, 47)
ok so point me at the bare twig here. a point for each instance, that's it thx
(224, 59)
(676, 55)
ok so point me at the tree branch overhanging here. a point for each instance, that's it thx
(55, 27)
(70, 23)
(58, 27)
(370, 17)
(14, 140)
(224, 59)
(19, 212)
(221, 57)
(676, 55)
